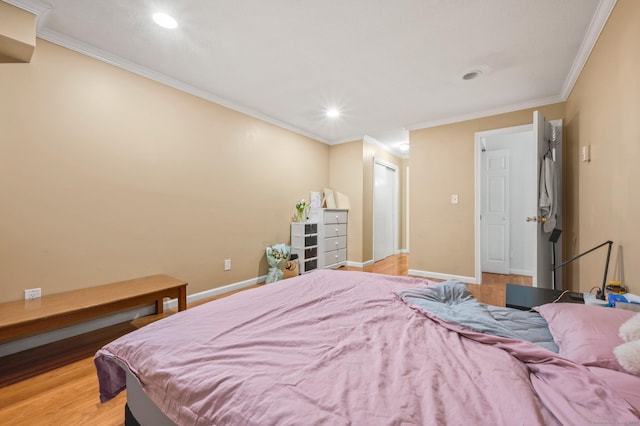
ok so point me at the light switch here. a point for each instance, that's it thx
(454, 198)
(585, 154)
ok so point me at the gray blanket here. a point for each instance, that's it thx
(453, 302)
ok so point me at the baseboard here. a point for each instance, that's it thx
(520, 272)
(371, 261)
(207, 294)
(440, 276)
(360, 264)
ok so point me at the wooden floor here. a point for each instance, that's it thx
(492, 290)
(69, 395)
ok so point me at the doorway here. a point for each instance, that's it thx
(512, 231)
(506, 192)
(385, 209)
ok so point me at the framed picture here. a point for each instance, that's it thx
(316, 200)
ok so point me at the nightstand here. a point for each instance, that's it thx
(525, 297)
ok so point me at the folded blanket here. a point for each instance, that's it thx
(453, 302)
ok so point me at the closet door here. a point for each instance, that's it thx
(385, 210)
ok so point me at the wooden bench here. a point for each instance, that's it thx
(25, 318)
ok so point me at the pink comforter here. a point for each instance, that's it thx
(337, 348)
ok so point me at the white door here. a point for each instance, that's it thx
(535, 257)
(543, 247)
(495, 216)
(384, 210)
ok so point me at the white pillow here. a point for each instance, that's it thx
(630, 330)
(628, 356)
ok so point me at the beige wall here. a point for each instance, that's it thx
(603, 112)
(17, 34)
(345, 175)
(442, 163)
(107, 175)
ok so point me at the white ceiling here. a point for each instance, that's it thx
(388, 66)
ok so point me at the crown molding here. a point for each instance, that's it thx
(40, 9)
(605, 7)
(117, 61)
(487, 113)
(37, 7)
(346, 140)
(373, 141)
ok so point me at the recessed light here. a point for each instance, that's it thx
(165, 20)
(333, 113)
(404, 147)
(472, 74)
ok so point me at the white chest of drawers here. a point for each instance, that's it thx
(332, 236)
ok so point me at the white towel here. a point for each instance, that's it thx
(547, 200)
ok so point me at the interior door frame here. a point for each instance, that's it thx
(395, 207)
(478, 188)
(559, 149)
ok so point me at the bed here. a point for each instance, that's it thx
(355, 348)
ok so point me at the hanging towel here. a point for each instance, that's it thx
(547, 196)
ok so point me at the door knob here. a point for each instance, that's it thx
(537, 219)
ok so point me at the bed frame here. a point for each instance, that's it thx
(139, 409)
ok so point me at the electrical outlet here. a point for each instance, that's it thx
(454, 198)
(227, 264)
(32, 293)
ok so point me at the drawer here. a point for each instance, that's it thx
(335, 230)
(310, 240)
(311, 252)
(310, 265)
(335, 243)
(304, 242)
(335, 256)
(334, 216)
(310, 228)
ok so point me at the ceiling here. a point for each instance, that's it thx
(387, 66)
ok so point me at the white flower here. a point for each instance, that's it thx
(301, 205)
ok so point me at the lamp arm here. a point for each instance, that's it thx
(586, 252)
(606, 266)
